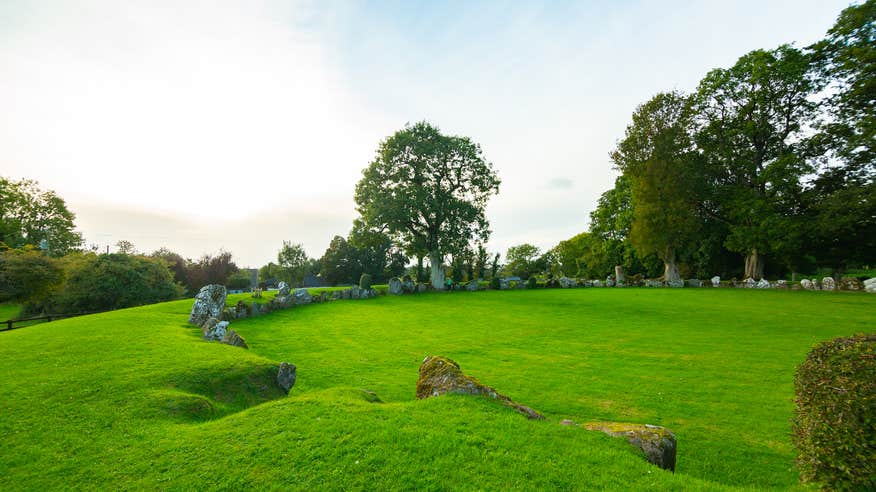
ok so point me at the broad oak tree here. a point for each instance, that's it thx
(428, 192)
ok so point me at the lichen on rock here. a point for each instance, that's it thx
(440, 375)
(658, 443)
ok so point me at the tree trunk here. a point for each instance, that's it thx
(754, 265)
(419, 269)
(670, 269)
(437, 271)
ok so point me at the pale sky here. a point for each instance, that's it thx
(237, 125)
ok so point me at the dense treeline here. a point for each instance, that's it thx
(766, 169)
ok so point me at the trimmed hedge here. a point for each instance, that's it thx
(835, 423)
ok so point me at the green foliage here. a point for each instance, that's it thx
(365, 281)
(835, 425)
(240, 280)
(293, 263)
(209, 270)
(495, 282)
(34, 217)
(428, 191)
(522, 260)
(571, 254)
(27, 275)
(532, 282)
(104, 282)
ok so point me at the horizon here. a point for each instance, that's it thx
(181, 127)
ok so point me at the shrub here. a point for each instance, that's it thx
(835, 423)
(27, 274)
(532, 282)
(365, 281)
(495, 284)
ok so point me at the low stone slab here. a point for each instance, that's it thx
(234, 339)
(658, 443)
(440, 375)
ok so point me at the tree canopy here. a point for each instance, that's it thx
(428, 191)
(35, 217)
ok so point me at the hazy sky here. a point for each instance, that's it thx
(236, 125)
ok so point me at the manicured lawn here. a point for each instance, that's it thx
(134, 398)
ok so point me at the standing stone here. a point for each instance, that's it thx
(301, 296)
(870, 285)
(763, 284)
(716, 281)
(806, 284)
(619, 275)
(658, 443)
(209, 303)
(286, 376)
(828, 283)
(395, 286)
(283, 289)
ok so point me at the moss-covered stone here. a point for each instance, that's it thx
(234, 339)
(658, 443)
(440, 375)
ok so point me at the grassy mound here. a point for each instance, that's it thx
(135, 399)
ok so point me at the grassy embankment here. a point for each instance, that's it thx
(135, 399)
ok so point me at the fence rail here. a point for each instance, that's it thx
(10, 323)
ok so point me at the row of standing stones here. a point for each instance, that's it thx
(437, 375)
(406, 286)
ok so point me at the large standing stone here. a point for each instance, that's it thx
(234, 339)
(716, 281)
(283, 289)
(658, 443)
(395, 286)
(870, 285)
(828, 283)
(301, 296)
(286, 376)
(209, 303)
(440, 375)
(619, 275)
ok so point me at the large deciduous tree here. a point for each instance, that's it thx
(752, 133)
(657, 156)
(293, 260)
(31, 216)
(428, 191)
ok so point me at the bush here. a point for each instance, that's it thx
(27, 274)
(365, 281)
(494, 283)
(532, 282)
(835, 424)
(114, 281)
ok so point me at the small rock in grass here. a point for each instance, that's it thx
(566, 422)
(217, 331)
(286, 376)
(440, 375)
(234, 339)
(658, 443)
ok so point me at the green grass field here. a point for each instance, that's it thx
(135, 399)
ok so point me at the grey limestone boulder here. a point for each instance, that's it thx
(870, 285)
(217, 331)
(716, 281)
(209, 303)
(472, 285)
(781, 284)
(395, 286)
(850, 283)
(763, 284)
(301, 296)
(234, 339)
(567, 283)
(286, 376)
(657, 443)
(676, 284)
(828, 283)
(282, 289)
